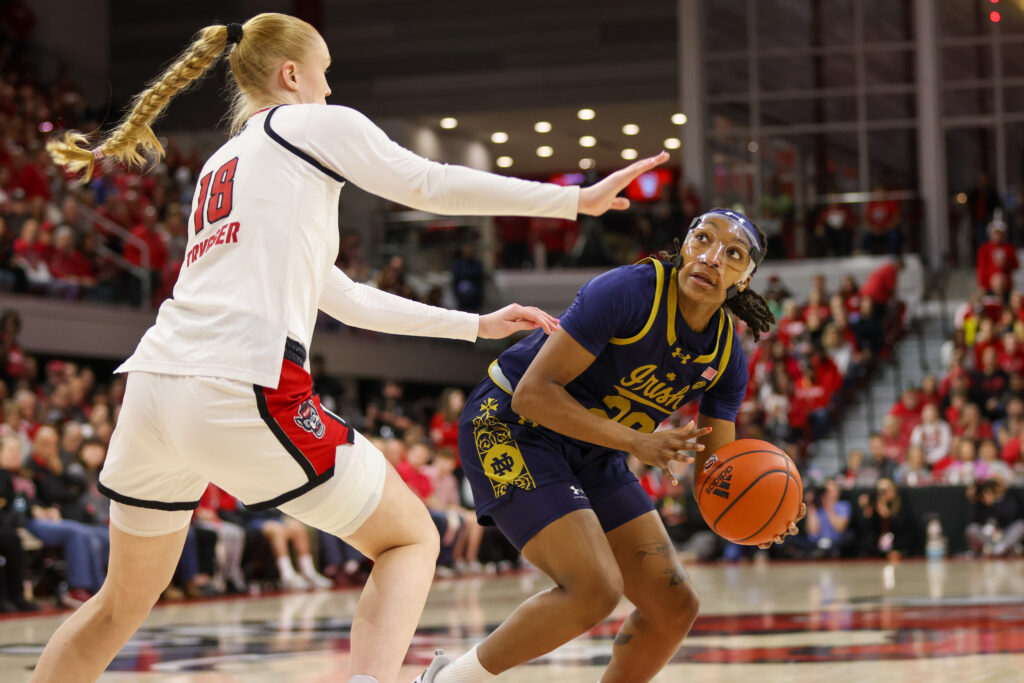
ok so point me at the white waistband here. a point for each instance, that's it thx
(498, 377)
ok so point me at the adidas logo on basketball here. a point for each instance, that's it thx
(719, 486)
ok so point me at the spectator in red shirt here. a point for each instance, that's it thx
(997, 298)
(882, 225)
(444, 425)
(989, 383)
(850, 292)
(410, 469)
(995, 255)
(146, 231)
(809, 407)
(972, 426)
(880, 285)
(791, 325)
(892, 436)
(28, 175)
(1011, 354)
(930, 394)
(67, 264)
(815, 304)
(908, 410)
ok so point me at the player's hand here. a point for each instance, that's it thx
(603, 195)
(660, 449)
(791, 531)
(512, 319)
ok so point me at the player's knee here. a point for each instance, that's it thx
(598, 595)
(677, 610)
(431, 540)
(424, 534)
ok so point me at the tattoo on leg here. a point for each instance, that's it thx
(622, 638)
(677, 575)
(652, 549)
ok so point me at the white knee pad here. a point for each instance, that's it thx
(340, 505)
(139, 521)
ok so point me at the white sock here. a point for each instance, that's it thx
(362, 679)
(465, 669)
(284, 567)
(306, 566)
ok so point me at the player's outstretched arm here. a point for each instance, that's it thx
(360, 305)
(362, 153)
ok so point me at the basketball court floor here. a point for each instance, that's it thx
(955, 621)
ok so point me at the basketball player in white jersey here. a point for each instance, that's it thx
(218, 389)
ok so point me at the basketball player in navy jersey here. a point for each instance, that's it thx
(544, 440)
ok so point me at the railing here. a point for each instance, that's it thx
(141, 271)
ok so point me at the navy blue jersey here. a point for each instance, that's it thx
(648, 362)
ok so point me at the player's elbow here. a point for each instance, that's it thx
(525, 399)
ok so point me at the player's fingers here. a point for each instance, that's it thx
(681, 456)
(690, 446)
(668, 473)
(689, 431)
(625, 176)
(803, 512)
(538, 318)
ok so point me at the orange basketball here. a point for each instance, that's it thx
(749, 491)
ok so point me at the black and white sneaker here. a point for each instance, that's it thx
(441, 660)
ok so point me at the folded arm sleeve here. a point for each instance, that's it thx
(363, 306)
(363, 154)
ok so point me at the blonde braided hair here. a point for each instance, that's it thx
(134, 138)
(269, 38)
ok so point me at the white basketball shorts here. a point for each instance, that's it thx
(266, 447)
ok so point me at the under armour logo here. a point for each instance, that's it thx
(683, 357)
(577, 491)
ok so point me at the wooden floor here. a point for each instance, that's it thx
(955, 621)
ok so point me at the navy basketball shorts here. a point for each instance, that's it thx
(524, 476)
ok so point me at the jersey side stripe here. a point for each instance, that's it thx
(305, 156)
(660, 283)
(673, 305)
(707, 358)
(725, 354)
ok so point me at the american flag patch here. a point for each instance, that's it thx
(709, 373)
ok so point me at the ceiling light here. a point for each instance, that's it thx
(542, 127)
(588, 141)
(585, 114)
(586, 163)
(499, 137)
(752, 147)
(503, 162)
(631, 129)
(629, 154)
(679, 119)
(449, 122)
(672, 143)
(544, 151)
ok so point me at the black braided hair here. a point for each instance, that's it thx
(748, 305)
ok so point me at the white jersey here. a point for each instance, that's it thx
(263, 238)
